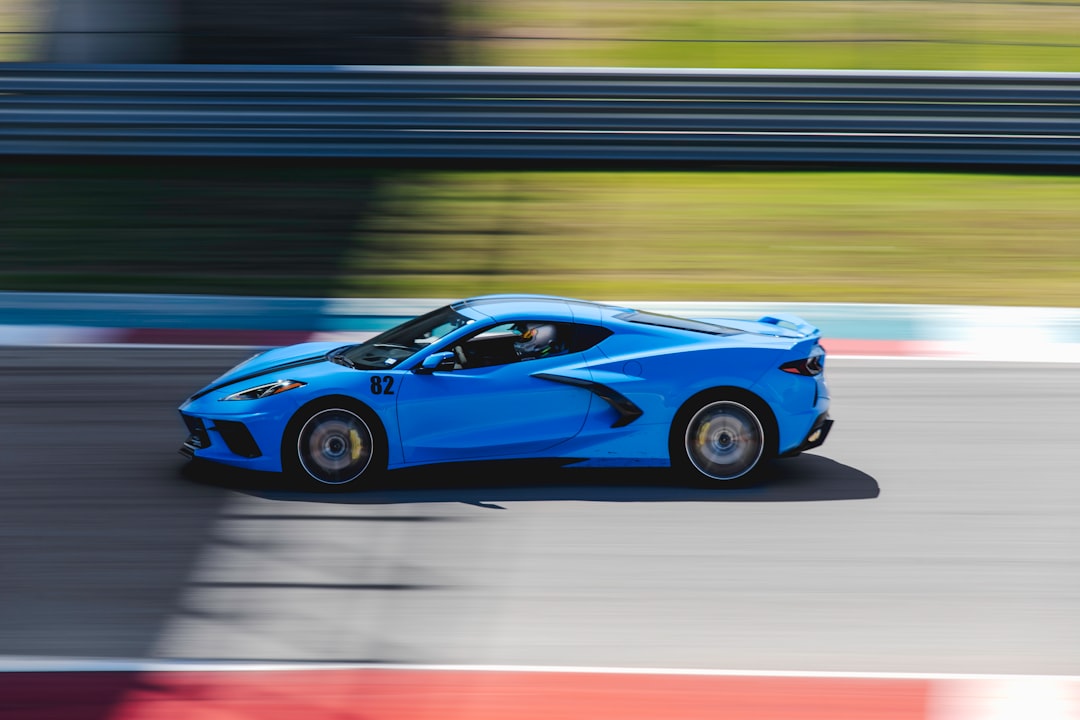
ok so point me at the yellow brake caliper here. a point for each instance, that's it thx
(356, 444)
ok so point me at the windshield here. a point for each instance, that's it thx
(391, 347)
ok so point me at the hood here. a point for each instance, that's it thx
(270, 361)
(264, 362)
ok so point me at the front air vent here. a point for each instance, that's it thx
(238, 438)
(198, 438)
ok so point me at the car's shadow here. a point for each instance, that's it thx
(805, 478)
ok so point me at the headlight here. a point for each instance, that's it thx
(260, 391)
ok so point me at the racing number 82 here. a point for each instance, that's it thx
(382, 385)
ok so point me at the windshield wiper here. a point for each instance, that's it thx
(338, 356)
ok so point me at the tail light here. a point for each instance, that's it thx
(810, 366)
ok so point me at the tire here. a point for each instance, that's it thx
(722, 440)
(333, 445)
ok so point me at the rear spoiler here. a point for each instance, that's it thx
(791, 322)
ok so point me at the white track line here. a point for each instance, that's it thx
(43, 664)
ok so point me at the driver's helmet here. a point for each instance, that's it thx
(536, 340)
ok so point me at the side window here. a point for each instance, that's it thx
(512, 342)
(519, 341)
(542, 339)
(586, 336)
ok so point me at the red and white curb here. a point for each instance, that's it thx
(1001, 349)
(73, 690)
(1020, 334)
(1048, 352)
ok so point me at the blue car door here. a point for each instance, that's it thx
(497, 410)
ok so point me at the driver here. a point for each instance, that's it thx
(536, 340)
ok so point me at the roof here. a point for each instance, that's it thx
(526, 304)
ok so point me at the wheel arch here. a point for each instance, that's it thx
(734, 393)
(327, 402)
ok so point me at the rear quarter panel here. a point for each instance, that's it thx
(659, 377)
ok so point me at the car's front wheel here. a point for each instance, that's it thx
(721, 441)
(333, 444)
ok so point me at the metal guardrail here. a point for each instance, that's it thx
(542, 114)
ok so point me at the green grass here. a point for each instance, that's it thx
(301, 230)
(18, 21)
(846, 34)
(897, 34)
(880, 237)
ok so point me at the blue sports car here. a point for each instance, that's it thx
(521, 377)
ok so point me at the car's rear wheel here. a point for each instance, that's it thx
(721, 441)
(333, 444)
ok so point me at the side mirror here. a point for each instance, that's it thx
(440, 361)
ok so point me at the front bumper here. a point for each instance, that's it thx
(198, 437)
(249, 441)
(234, 434)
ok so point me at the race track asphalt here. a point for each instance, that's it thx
(936, 531)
